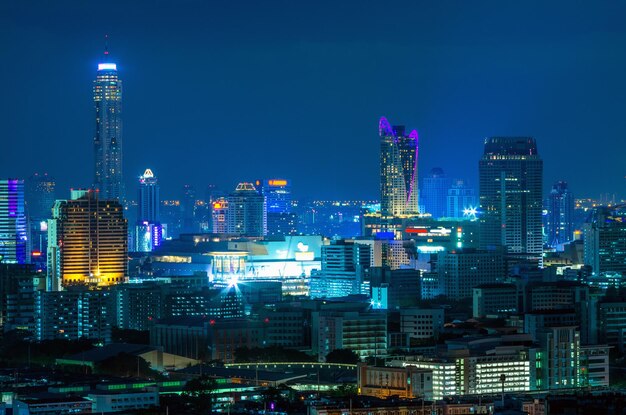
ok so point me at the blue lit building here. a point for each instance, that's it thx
(107, 96)
(280, 219)
(14, 246)
(434, 193)
(148, 230)
(560, 218)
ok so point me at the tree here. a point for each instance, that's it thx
(346, 356)
(125, 365)
(199, 392)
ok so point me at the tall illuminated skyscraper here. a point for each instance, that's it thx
(13, 230)
(148, 231)
(246, 214)
(510, 211)
(398, 170)
(107, 96)
(560, 226)
(88, 242)
(148, 202)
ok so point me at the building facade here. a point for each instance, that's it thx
(511, 174)
(88, 242)
(14, 243)
(560, 220)
(246, 214)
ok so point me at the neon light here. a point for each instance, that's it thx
(277, 182)
(107, 67)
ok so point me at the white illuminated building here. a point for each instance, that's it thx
(290, 261)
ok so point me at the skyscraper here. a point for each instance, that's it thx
(604, 236)
(246, 214)
(148, 230)
(398, 170)
(560, 224)
(511, 195)
(280, 219)
(13, 230)
(107, 96)
(434, 193)
(148, 202)
(88, 242)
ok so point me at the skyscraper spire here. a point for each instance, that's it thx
(106, 46)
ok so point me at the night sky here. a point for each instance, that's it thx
(228, 91)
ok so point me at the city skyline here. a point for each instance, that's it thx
(153, 84)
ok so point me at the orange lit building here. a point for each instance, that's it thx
(88, 242)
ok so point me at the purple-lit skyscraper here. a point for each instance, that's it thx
(13, 230)
(398, 170)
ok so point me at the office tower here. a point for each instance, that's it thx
(510, 195)
(604, 238)
(398, 170)
(219, 215)
(88, 242)
(107, 96)
(39, 198)
(343, 268)
(434, 193)
(560, 226)
(246, 214)
(280, 219)
(148, 229)
(148, 201)
(461, 201)
(14, 246)
(462, 270)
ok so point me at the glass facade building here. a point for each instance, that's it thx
(14, 244)
(511, 174)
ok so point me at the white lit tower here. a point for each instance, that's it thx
(107, 96)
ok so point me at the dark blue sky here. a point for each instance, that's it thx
(221, 92)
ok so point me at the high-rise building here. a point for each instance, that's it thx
(462, 270)
(560, 224)
(280, 219)
(246, 214)
(219, 215)
(511, 195)
(398, 170)
(604, 238)
(188, 209)
(148, 201)
(14, 246)
(39, 192)
(434, 193)
(107, 96)
(343, 268)
(88, 242)
(148, 230)
(461, 201)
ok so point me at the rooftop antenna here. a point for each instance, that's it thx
(106, 45)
